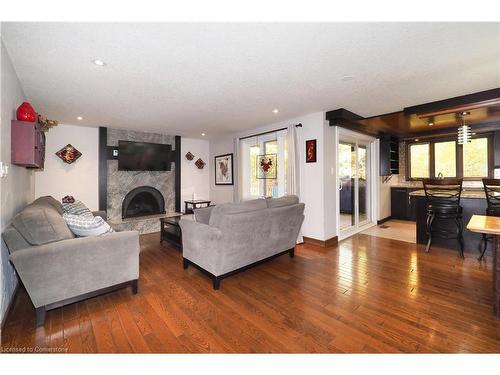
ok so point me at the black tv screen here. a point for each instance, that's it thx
(141, 156)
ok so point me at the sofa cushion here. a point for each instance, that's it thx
(14, 240)
(49, 201)
(235, 208)
(40, 224)
(286, 200)
(76, 208)
(87, 226)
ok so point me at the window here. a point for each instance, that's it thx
(446, 158)
(270, 186)
(475, 158)
(419, 160)
(250, 150)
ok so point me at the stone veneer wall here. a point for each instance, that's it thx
(121, 182)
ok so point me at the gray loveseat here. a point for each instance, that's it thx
(231, 237)
(58, 269)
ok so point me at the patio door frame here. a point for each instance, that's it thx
(372, 146)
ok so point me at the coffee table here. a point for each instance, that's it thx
(171, 231)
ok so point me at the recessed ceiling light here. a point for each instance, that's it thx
(99, 62)
(465, 113)
(431, 124)
(202, 134)
(79, 118)
(347, 78)
(416, 139)
(275, 111)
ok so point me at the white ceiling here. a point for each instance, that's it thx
(217, 78)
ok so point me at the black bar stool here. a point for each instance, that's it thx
(492, 191)
(443, 203)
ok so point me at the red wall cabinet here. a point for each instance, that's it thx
(27, 144)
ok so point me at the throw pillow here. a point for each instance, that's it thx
(86, 226)
(76, 208)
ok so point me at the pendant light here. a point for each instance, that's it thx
(464, 130)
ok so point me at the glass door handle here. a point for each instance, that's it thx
(340, 186)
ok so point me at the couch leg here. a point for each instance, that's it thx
(40, 316)
(135, 286)
(216, 282)
(185, 263)
(291, 252)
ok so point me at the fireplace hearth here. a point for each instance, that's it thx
(143, 201)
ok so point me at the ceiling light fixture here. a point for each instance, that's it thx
(431, 124)
(347, 78)
(98, 62)
(79, 118)
(202, 134)
(275, 111)
(464, 130)
(416, 139)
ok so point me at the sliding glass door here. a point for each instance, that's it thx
(354, 185)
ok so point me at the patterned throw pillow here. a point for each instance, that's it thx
(76, 208)
(86, 226)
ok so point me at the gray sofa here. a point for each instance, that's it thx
(228, 238)
(58, 269)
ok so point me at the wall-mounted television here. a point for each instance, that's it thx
(142, 156)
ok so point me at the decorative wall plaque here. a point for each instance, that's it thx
(68, 154)
(199, 163)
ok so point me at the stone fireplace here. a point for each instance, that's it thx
(143, 201)
(135, 199)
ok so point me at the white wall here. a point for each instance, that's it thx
(16, 189)
(194, 180)
(220, 193)
(79, 179)
(312, 175)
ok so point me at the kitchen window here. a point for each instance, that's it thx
(446, 158)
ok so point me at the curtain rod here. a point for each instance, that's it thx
(299, 125)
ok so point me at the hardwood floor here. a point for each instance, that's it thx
(368, 294)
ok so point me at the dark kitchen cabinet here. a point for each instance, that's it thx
(401, 204)
(389, 155)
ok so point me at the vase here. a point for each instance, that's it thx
(25, 112)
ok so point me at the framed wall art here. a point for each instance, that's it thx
(311, 151)
(224, 169)
(267, 166)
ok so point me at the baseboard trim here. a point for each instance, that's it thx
(331, 242)
(384, 220)
(9, 307)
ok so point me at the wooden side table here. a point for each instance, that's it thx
(490, 225)
(171, 231)
(189, 206)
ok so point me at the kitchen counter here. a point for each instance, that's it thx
(473, 202)
(470, 193)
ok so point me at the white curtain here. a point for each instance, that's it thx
(292, 181)
(236, 170)
(293, 172)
